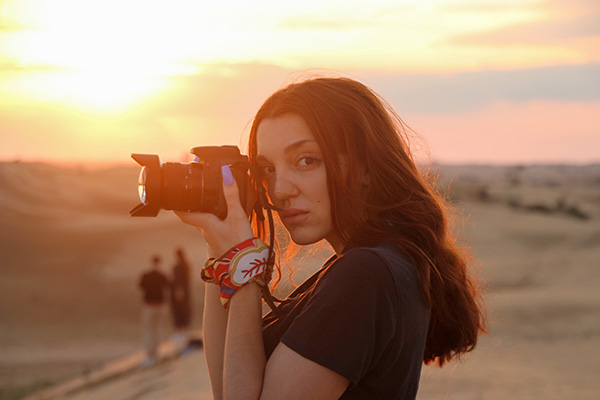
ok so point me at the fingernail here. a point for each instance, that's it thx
(227, 175)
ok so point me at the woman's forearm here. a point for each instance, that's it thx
(244, 350)
(214, 327)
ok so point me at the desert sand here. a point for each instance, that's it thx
(71, 257)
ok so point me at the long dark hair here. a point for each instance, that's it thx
(361, 136)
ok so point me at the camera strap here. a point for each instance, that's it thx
(263, 203)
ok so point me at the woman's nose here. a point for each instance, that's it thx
(284, 188)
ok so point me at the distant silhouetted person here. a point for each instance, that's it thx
(154, 285)
(181, 306)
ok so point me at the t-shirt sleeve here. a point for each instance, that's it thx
(350, 318)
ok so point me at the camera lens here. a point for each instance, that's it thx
(176, 186)
(194, 186)
(183, 186)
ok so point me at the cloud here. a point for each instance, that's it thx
(375, 17)
(320, 22)
(11, 66)
(446, 93)
(559, 21)
(215, 106)
(7, 26)
(210, 108)
(537, 33)
(236, 91)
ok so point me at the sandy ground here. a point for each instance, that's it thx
(183, 379)
(71, 258)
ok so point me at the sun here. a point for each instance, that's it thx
(101, 91)
(104, 55)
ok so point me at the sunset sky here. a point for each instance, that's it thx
(504, 81)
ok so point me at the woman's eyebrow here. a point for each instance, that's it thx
(261, 158)
(296, 145)
(288, 149)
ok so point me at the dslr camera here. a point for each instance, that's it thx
(193, 186)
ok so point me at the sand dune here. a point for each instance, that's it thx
(71, 256)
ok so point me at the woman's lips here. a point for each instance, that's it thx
(291, 216)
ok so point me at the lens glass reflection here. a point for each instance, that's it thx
(142, 185)
(142, 193)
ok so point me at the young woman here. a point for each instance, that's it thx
(397, 293)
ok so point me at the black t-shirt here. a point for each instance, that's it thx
(362, 316)
(154, 284)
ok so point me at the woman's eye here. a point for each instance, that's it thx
(267, 170)
(306, 161)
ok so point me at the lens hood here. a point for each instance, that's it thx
(148, 186)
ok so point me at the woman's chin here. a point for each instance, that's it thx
(304, 242)
(303, 238)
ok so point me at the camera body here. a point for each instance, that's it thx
(194, 186)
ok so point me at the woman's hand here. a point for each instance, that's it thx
(221, 235)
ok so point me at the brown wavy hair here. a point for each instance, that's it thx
(360, 135)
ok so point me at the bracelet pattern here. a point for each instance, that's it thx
(247, 262)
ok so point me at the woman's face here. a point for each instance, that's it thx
(292, 165)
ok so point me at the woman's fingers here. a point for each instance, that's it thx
(199, 220)
(236, 220)
(231, 193)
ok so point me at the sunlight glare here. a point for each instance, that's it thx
(104, 55)
(101, 92)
